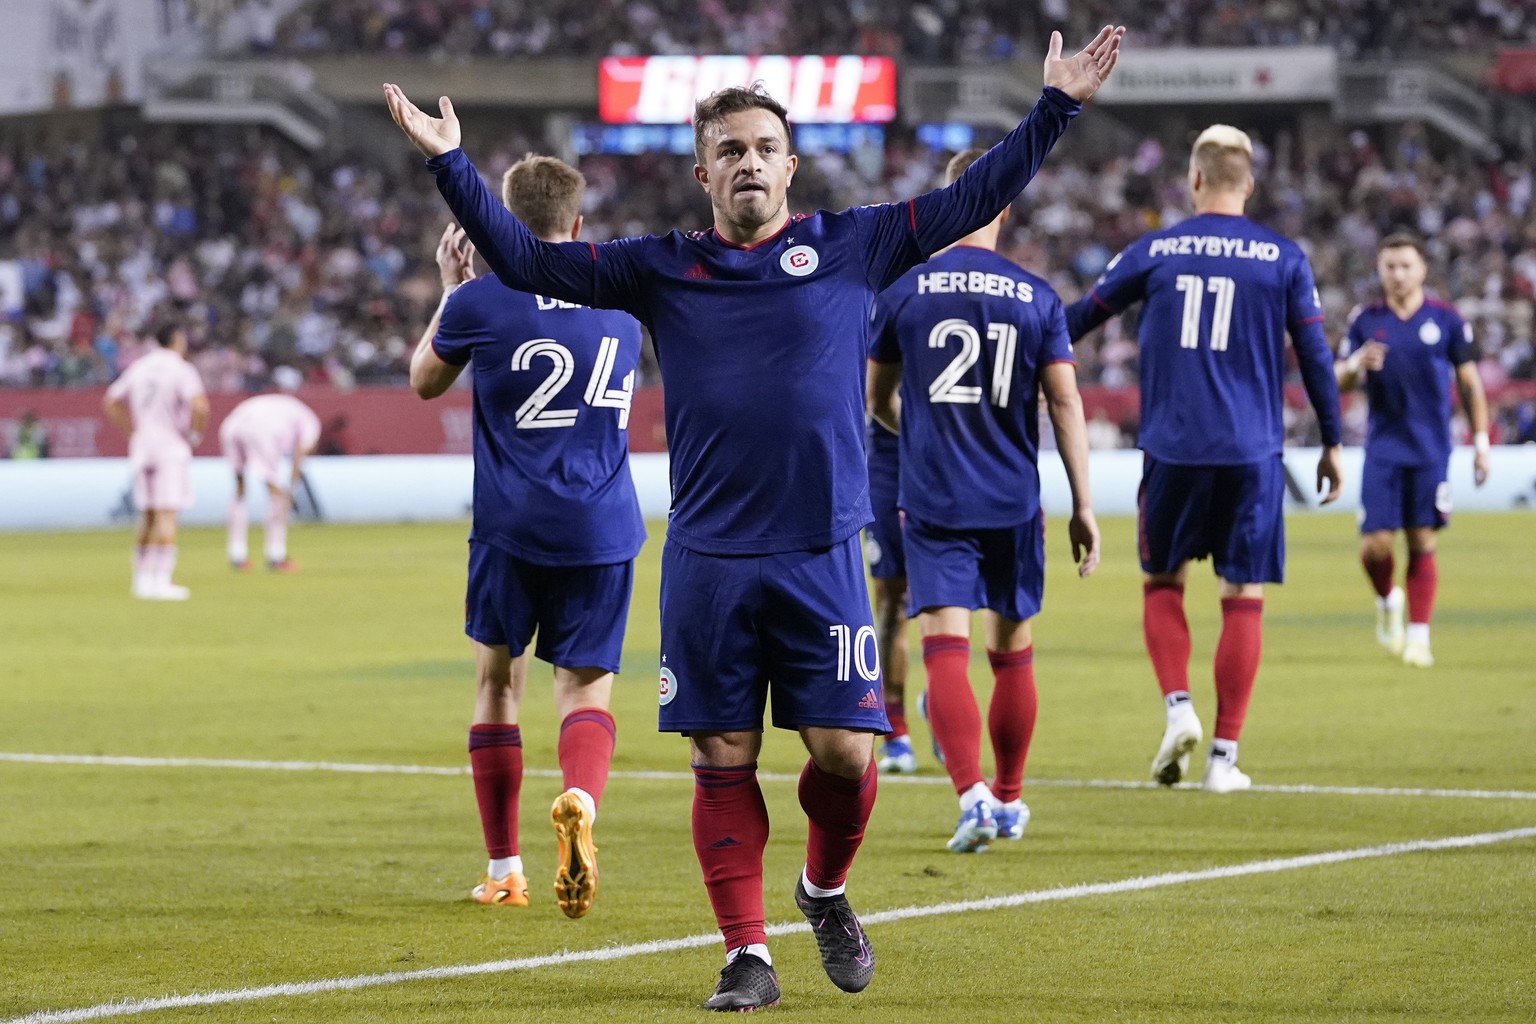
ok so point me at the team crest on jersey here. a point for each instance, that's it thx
(1429, 333)
(668, 689)
(799, 261)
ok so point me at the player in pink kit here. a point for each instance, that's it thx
(159, 402)
(256, 436)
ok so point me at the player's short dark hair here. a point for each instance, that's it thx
(166, 333)
(960, 161)
(717, 106)
(544, 193)
(1403, 240)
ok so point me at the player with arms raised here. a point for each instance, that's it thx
(160, 403)
(1220, 293)
(971, 339)
(760, 325)
(1403, 352)
(556, 524)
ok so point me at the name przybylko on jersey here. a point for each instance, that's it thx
(1213, 245)
(975, 282)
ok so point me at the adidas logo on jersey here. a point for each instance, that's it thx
(869, 700)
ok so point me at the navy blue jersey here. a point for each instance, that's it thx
(1410, 396)
(884, 462)
(1220, 294)
(973, 332)
(762, 349)
(552, 386)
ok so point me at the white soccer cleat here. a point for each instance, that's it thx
(1417, 655)
(1221, 777)
(1182, 735)
(1389, 622)
(166, 592)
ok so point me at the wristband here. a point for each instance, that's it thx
(1480, 442)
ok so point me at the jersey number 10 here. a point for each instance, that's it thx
(1194, 288)
(533, 414)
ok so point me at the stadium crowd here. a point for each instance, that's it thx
(936, 30)
(296, 268)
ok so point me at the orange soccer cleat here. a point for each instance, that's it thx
(511, 891)
(576, 878)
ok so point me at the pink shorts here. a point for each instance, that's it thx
(255, 455)
(163, 483)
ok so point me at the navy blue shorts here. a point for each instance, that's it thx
(578, 611)
(800, 621)
(1397, 497)
(1233, 515)
(1000, 569)
(883, 544)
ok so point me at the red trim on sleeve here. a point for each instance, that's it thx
(1069, 362)
(1099, 302)
(1310, 320)
(912, 213)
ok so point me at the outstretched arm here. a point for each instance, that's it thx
(563, 270)
(972, 200)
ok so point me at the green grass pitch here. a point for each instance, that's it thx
(122, 883)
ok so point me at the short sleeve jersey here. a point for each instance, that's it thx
(288, 423)
(1220, 294)
(158, 388)
(973, 332)
(552, 385)
(1410, 396)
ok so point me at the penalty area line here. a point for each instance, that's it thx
(129, 1007)
(347, 767)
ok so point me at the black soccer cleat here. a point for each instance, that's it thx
(747, 983)
(846, 954)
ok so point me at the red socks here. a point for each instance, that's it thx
(1011, 718)
(586, 750)
(496, 761)
(730, 829)
(1380, 571)
(896, 711)
(838, 810)
(1237, 662)
(1423, 574)
(1167, 634)
(952, 711)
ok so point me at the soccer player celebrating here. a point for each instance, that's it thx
(1220, 293)
(760, 325)
(1403, 352)
(888, 567)
(556, 524)
(160, 403)
(971, 339)
(255, 437)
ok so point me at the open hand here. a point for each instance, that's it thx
(434, 136)
(1080, 75)
(455, 257)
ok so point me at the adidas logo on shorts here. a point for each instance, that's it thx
(869, 700)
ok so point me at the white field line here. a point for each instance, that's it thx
(129, 1007)
(661, 776)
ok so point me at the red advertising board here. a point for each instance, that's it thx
(816, 90)
(383, 421)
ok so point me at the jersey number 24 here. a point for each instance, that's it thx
(534, 413)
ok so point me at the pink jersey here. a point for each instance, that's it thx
(279, 421)
(159, 388)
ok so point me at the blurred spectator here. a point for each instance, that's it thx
(30, 440)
